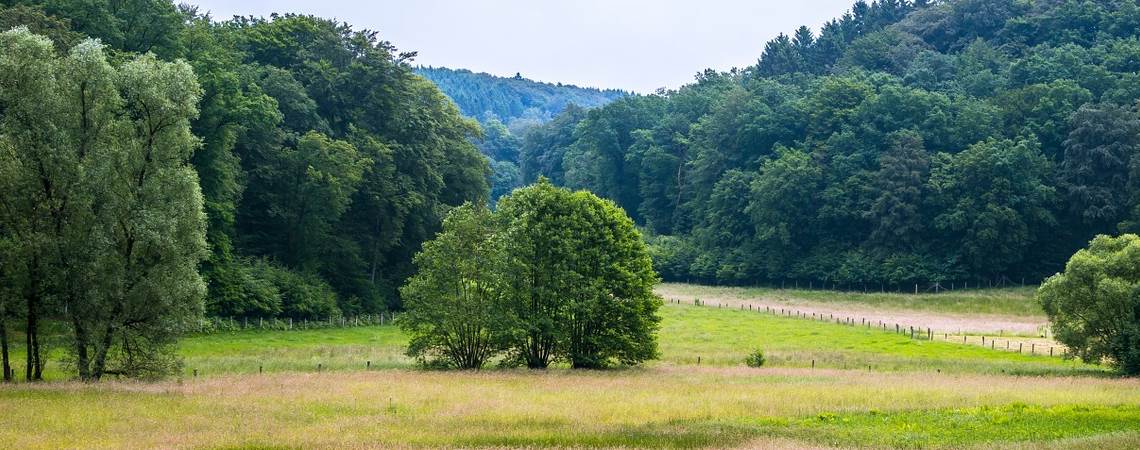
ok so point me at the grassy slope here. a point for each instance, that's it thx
(670, 403)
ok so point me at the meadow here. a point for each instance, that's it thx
(868, 388)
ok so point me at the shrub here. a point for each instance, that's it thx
(755, 359)
(300, 295)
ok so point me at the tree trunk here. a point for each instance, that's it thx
(4, 351)
(38, 362)
(33, 370)
(99, 365)
(82, 340)
(31, 341)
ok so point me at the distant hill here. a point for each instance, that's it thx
(481, 95)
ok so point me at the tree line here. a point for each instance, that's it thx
(976, 141)
(287, 166)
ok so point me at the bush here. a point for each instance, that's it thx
(300, 295)
(755, 359)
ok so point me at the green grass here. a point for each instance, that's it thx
(917, 394)
(957, 427)
(719, 337)
(277, 351)
(725, 336)
(1017, 301)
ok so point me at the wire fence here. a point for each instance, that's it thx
(914, 332)
(228, 324)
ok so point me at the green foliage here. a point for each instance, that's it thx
(997, 199)
(323, 163)
(281, 292)
(1094, 305)
(582, 279)
(755, 359)
(978, 141)
(457, 302)
(550, 275)
(100, 192)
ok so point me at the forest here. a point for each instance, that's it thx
(507, 108)
(516, 101)
(322, 160)
(972, 142)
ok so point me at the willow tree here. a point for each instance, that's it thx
(105, 209)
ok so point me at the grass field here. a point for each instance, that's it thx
(990, 312)
(915, 394)
(1008, 301)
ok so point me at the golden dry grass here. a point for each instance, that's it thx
(665, 406)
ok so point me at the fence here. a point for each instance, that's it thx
(917, 333)
(225, 324)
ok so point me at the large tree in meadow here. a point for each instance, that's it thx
(104, 208)
(581, 279)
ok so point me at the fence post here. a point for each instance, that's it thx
(1020, 345)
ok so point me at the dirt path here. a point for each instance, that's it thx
(939, 322)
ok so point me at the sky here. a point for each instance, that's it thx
(635, 45)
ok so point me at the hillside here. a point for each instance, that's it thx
(481, 95)
(971, 141)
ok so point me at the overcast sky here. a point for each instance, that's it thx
(637, 45)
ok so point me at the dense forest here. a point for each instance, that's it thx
(507, 108)
(323, 159)
(517, 102)
(970, 141)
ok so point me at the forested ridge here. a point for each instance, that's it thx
(324, 161)
(516, 101)
(506, 109)
(971, 141)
